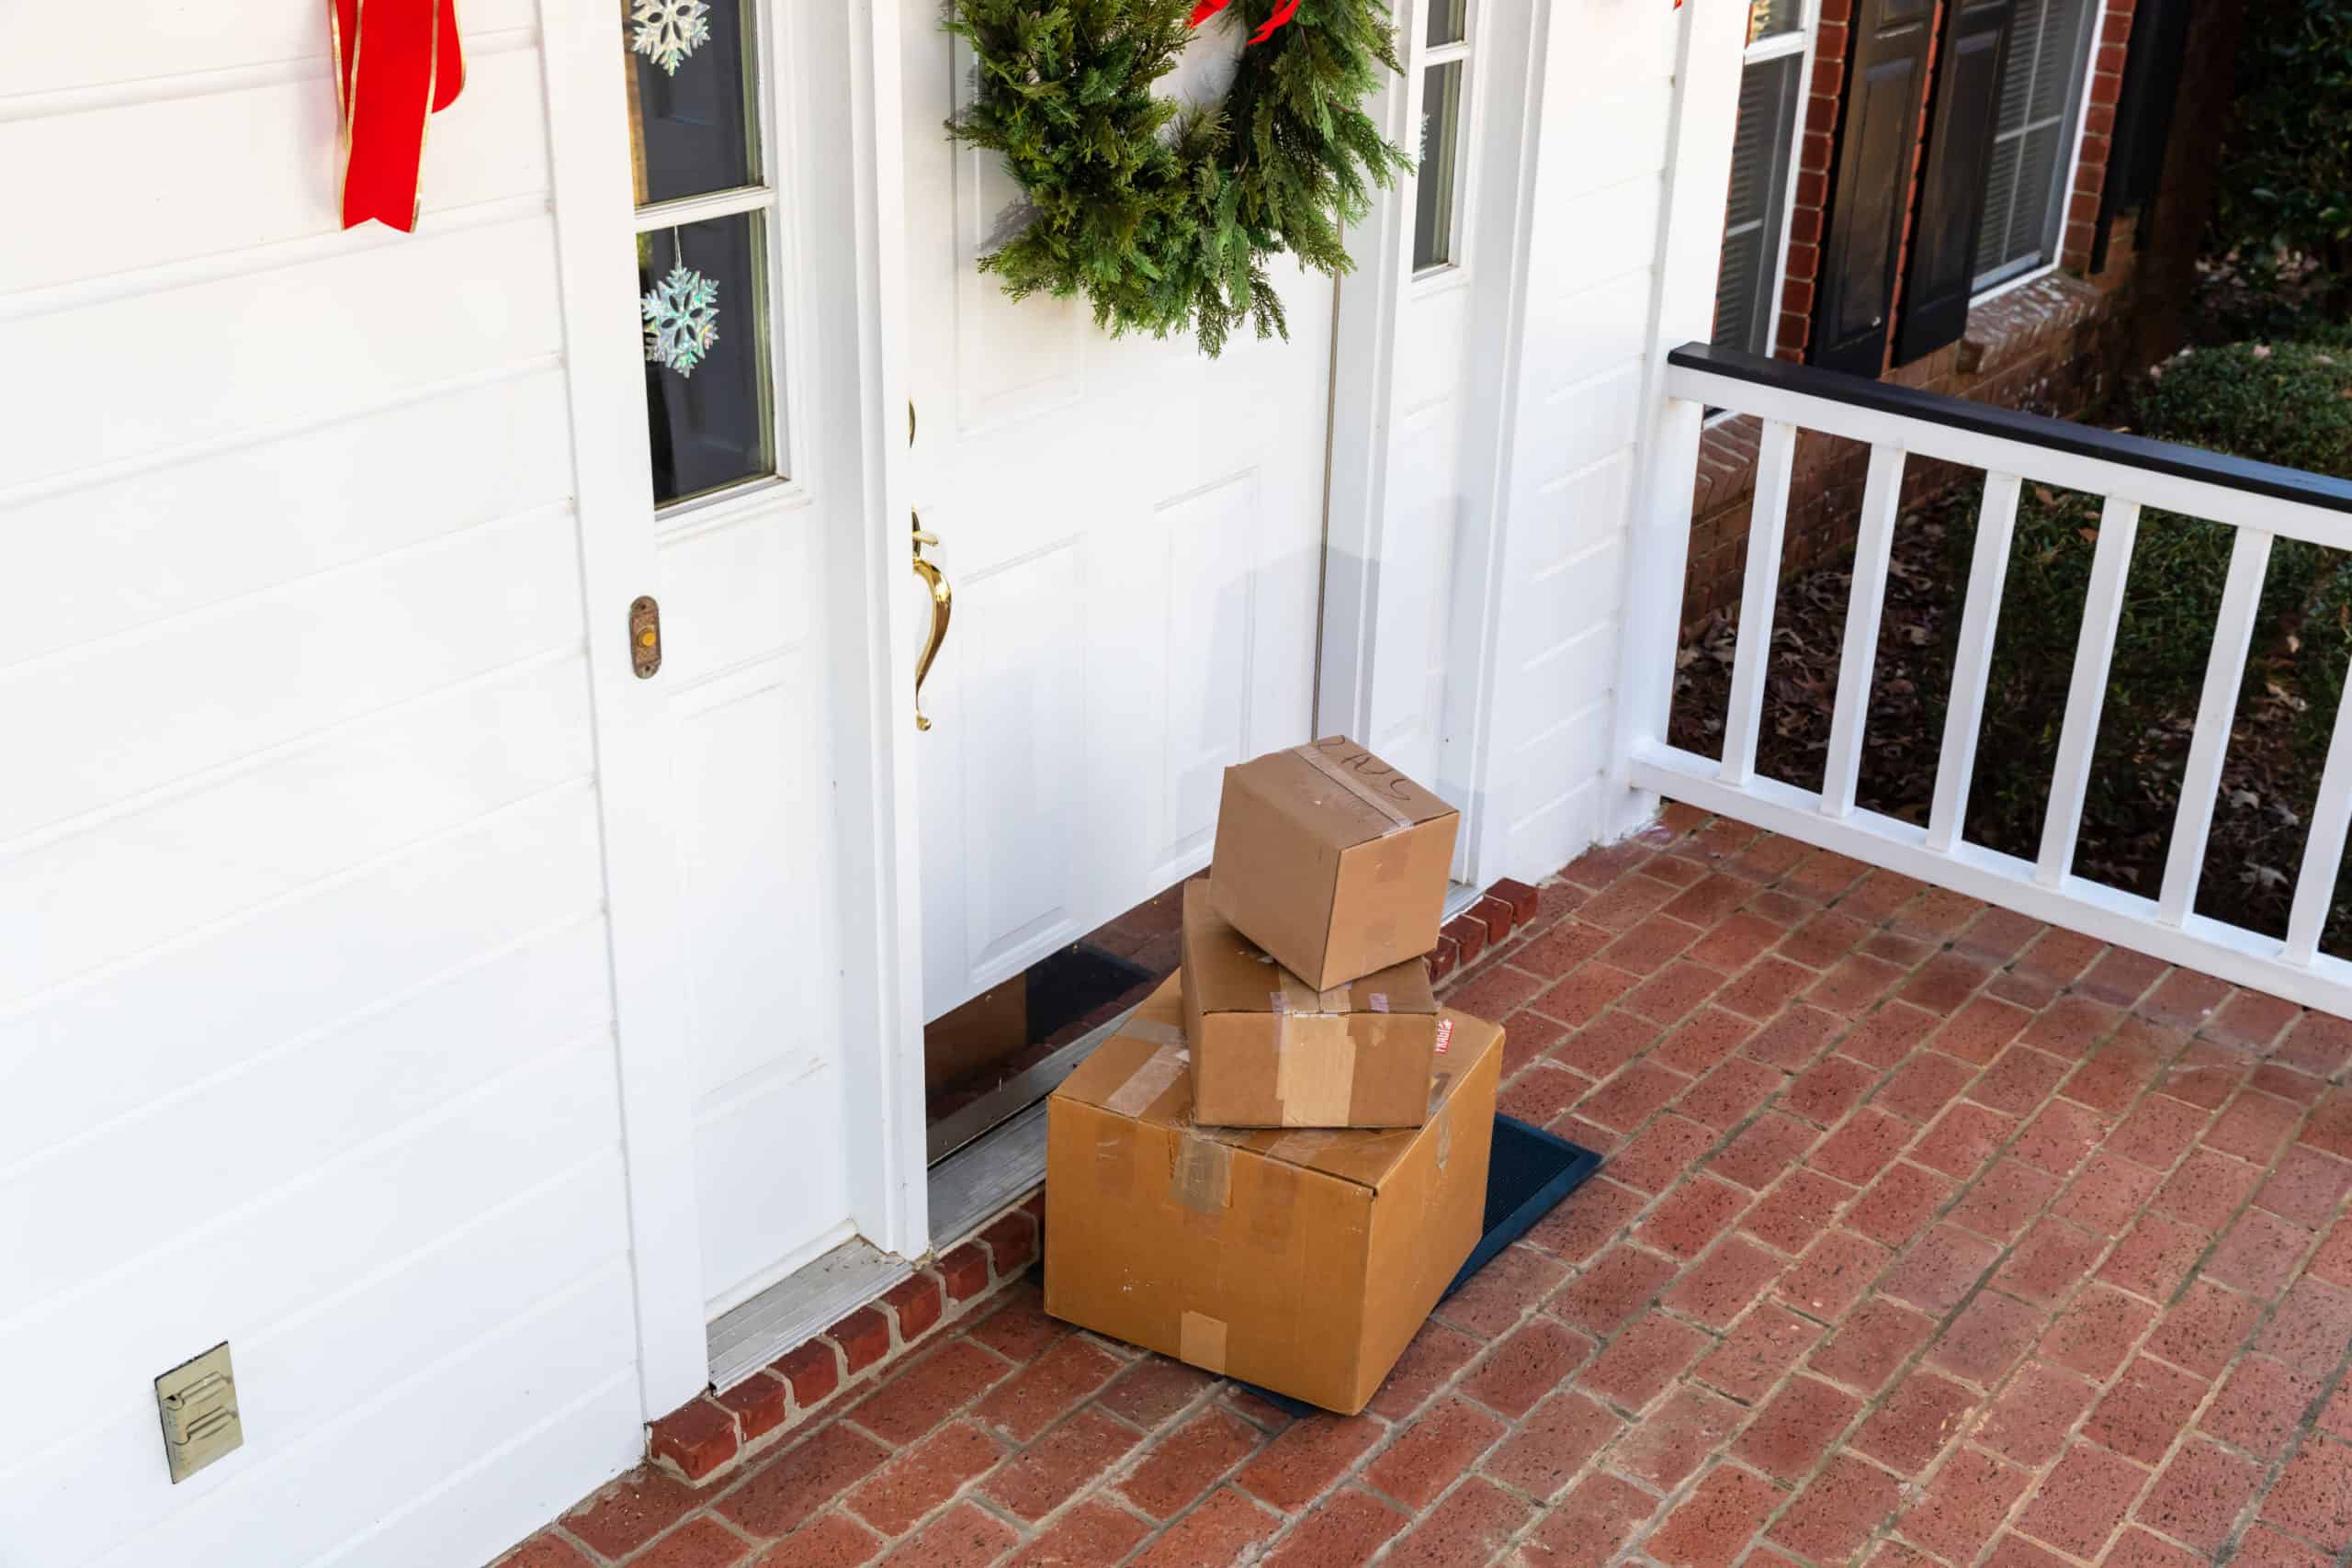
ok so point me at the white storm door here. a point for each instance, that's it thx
(1134, 537)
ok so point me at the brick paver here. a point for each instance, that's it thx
(1929, 1235)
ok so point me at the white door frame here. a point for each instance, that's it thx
(832, 77)
(1492, 238)
(612, 464)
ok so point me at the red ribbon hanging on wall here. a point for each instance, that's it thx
(396, 62)
(1283, 13)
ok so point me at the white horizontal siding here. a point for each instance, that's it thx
(169, 48)
(1607, 94)
(163, 159)
(306, 1025)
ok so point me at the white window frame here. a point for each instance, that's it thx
(1424, 57)
(1981, 293)
(764, 197)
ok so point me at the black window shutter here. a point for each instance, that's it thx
(1760, 168)
(1872, 187)
(2135, 158)
(1940, 274)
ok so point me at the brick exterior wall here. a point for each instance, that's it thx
(1809, 211)
(2061, 345)
(2099, 132)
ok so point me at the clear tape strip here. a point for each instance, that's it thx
(1147, 1082)
(1398, 820)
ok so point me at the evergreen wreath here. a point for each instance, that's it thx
(1162, 214)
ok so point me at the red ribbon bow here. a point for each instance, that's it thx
(395, 62)
(1283, 13)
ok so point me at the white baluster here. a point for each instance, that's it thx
(2323, 848)
(1775, 461)
(2192, 822)
(2118, 525)
(1882, 499)
(1987, 571)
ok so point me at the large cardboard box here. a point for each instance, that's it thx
(1302, 1261)
(1331, 860)
(1270, 1051)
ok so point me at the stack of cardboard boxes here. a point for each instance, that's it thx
(1274, 1168)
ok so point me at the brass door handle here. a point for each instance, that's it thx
(942, 602)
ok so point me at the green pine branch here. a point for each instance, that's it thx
(1162, 218)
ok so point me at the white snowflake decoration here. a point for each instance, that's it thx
(680, 321)
(668, 30)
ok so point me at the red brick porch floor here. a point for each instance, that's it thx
(1928, 1234)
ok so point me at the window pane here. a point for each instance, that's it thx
(2026, 178)
(1440, 133)
(692, 96)
(1449, 21)
(1770, 18)
(703, 301)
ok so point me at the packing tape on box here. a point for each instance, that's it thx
(1377, 1001)
(1444, 1139)
(1399, 820)
(1203, 1177)
(1153, 1031)
(1147, 1082)
(1200, 1341)
(1315, 1078)
(1315, 1068)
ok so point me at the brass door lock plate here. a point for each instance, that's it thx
(198, 1400)
(645, 636)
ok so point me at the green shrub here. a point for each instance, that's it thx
(2286, 403)
(2286, 174)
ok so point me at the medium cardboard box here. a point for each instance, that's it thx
(1270, 1051)
(1331, 860)
(1301, 1261)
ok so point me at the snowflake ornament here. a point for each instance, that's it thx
(668, 30)
(680, 321)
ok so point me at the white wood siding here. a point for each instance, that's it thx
(1605, 92)
(306, 1021)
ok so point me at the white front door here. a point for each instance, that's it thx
(1133, 533)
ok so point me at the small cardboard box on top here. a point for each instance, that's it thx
(1301, 1261)
(1270, 1051)
(1331, 860)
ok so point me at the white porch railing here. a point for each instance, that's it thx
(2259, 500)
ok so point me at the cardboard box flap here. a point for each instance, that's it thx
(1230, 973)
(1132, 1072)
(1339, 792)
(1149, 1080)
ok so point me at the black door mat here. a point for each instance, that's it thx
(1067, 984)
(1530, 1171)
